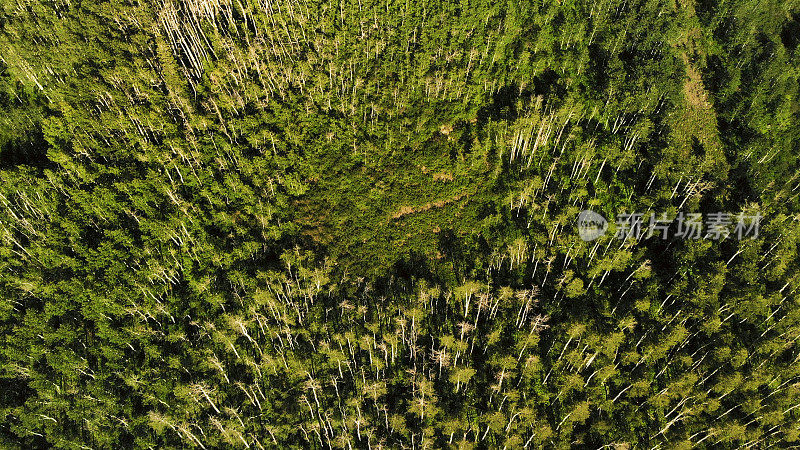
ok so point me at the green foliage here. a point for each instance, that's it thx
(248, 224)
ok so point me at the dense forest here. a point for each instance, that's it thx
(354, 224)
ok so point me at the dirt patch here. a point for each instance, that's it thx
(443, 176)
(406, 210)
(696, 95)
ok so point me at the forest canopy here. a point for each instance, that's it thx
(397, 224)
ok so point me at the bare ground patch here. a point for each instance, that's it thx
(406, 210)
